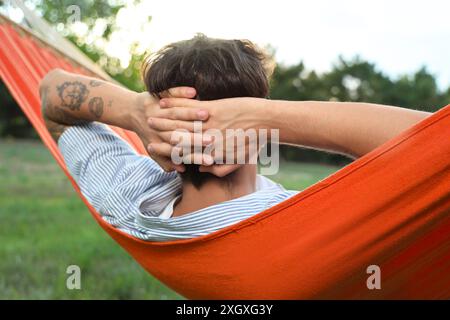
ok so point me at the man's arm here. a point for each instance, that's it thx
(69, 99)
(349, 128)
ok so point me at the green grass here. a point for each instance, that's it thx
(45, 227)
(298, 176)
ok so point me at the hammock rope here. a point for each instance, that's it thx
(390, 208)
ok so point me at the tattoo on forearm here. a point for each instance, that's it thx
(56, 118)
(95, 83)
(72, 94)
(96, 107)
(56, 130)
(59, 115)
(63, 116)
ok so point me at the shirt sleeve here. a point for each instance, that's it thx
(104, 166)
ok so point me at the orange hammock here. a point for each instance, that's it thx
(390, 208)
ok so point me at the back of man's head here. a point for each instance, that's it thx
(216, 68)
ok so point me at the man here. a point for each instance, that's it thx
(133, 192)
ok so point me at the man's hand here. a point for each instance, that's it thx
(148, 108)
(233, 113)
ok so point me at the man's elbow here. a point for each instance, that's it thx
(44, 88)
(47, 80)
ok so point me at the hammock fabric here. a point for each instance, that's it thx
(390, 208)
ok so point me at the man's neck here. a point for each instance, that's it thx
(237, 184)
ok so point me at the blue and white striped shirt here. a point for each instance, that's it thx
(132, 193)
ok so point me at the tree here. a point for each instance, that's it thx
(353, 80)
(60, 14)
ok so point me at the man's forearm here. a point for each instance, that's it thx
(69, 99)
(353, 129)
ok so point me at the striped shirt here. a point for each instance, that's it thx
(132, 193)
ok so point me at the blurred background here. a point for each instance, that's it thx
(388, 52)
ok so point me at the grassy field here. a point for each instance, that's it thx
(45, 228)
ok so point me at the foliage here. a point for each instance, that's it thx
(13, 123)
(353, 80)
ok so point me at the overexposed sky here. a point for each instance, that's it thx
(398, 35)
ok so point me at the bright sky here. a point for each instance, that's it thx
(398, 35)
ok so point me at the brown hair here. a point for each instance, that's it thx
(216, 68)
